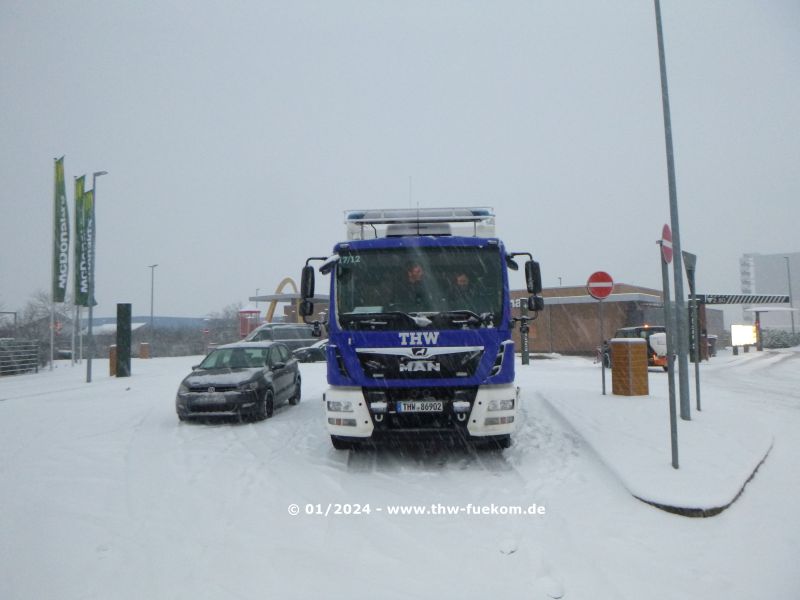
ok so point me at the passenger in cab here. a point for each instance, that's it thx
(414, 294)
(462, 292)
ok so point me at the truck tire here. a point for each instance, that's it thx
(341, 444)
(505, 442)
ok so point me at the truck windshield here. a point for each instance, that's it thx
(442, 288)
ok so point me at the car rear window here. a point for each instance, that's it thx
(291, 333)
(261, 336)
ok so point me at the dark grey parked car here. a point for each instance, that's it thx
(245, 379)
(294, 335)
(314, 353)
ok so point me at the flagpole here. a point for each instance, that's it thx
(52, 327)
(54, 229)
(80, 334)
(92, 254)
(78, 294)
(52, 264)
(74, 326)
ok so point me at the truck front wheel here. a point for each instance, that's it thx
(341, 444)
(495, 442)
(503, 442)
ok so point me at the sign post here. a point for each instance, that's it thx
(600, 285)
(666, 257)
(690, 263)
(682, 337)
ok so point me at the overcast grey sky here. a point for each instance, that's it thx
(235, 134)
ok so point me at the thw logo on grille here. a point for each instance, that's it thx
(419, 338)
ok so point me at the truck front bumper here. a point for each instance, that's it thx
(493, 413)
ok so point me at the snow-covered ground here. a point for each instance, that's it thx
(106, 495)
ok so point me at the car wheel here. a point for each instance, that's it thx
(295, 399)
(267, 406)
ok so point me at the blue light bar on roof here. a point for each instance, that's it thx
(401, 222)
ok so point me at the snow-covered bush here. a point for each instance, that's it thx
(779, 338)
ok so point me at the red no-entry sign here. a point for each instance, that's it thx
(666, 244)
(600, 285)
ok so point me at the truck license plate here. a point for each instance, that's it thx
(408, 406)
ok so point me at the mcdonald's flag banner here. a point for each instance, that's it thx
(60, 235)
(81, 256)
(89, 231)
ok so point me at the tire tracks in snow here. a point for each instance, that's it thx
(746, 378)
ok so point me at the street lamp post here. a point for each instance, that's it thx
(152, 288)
(791, 302)
(92, 255)
(681, 322)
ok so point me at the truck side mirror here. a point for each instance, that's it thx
(535, 303)
(307, 283)
(533, 277)
(306, 308)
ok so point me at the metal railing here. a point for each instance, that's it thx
(18, 356)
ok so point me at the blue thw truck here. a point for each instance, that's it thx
(419, 326)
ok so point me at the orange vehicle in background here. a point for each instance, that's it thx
(656, 348)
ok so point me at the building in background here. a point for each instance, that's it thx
(570, 324)
(770, 274)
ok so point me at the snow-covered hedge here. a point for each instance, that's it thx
(779, 338)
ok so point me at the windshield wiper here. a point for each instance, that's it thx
(382, 319)
(468, 318)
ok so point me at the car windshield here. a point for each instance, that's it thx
(451, 287)
(235, 358)
(640, 332)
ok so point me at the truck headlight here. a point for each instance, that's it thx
(340, 406)
(506, 404)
